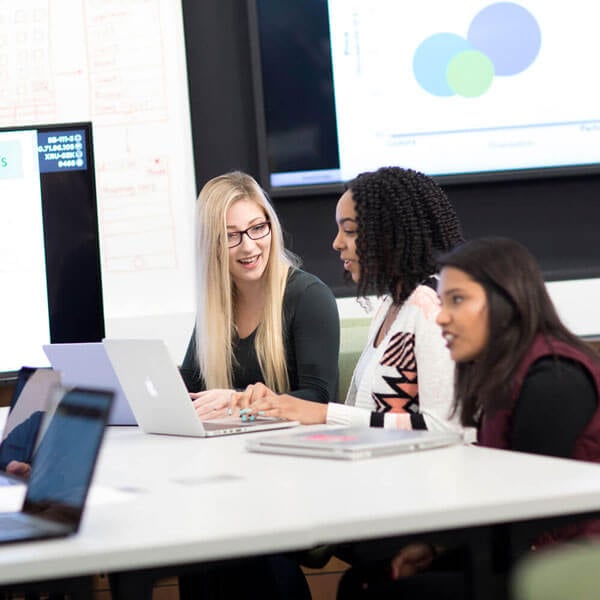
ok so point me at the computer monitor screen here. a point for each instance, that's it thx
(50, 273)
(463, 91)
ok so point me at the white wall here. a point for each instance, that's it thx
(578, 304)
(123, 67)
(577, 301)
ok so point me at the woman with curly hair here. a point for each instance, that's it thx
(392, 225)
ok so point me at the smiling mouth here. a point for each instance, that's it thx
(249, 261)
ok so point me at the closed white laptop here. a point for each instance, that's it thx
(87, 365)
(353, 443)
(159, 398)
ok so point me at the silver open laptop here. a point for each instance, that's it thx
(158, 397)
(353, 443)
(86, 365)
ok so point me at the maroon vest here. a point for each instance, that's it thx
(495, 431)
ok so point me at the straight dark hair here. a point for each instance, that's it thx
(519, 308)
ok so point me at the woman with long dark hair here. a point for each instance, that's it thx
(523, 379)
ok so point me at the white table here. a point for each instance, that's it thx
(192, 500)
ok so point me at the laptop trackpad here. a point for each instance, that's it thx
(218, 424)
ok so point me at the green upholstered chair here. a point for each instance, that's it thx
(571, 572)
(353, 337)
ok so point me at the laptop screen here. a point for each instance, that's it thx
(28, 407)
(64, 463)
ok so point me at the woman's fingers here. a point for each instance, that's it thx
(256, 400)
(267, 406)
(411, 560)
(241, 400)
(204, 413)
(250, 396)
(214, 404)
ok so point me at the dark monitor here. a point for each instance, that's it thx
(50, 272)
(462, 91)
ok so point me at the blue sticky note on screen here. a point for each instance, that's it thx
(11, 160)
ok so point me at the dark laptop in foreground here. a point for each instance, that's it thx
(353, 443)
(86, 365)
(158, 396)
(62, 469)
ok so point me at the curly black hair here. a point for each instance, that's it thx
(404, 221)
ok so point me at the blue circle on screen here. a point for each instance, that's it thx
(508, 34)
(431, 60)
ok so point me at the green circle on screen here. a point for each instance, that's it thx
(470, 73)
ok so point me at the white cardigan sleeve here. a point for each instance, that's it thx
(435, 371)
(342, 414)
(347, 414)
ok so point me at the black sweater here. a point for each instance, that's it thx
(557, 401)
(312, 340)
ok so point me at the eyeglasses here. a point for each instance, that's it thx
(256, 232)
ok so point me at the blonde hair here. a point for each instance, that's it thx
(215, 327)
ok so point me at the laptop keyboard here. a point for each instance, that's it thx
(19, 526)
(8, 480)
(13, 526)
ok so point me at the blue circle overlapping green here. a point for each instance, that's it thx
(503, 39)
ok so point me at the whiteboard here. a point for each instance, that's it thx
(120, 64)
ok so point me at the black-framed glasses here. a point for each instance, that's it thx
(256, 232)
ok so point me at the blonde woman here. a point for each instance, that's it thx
(259, 317)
